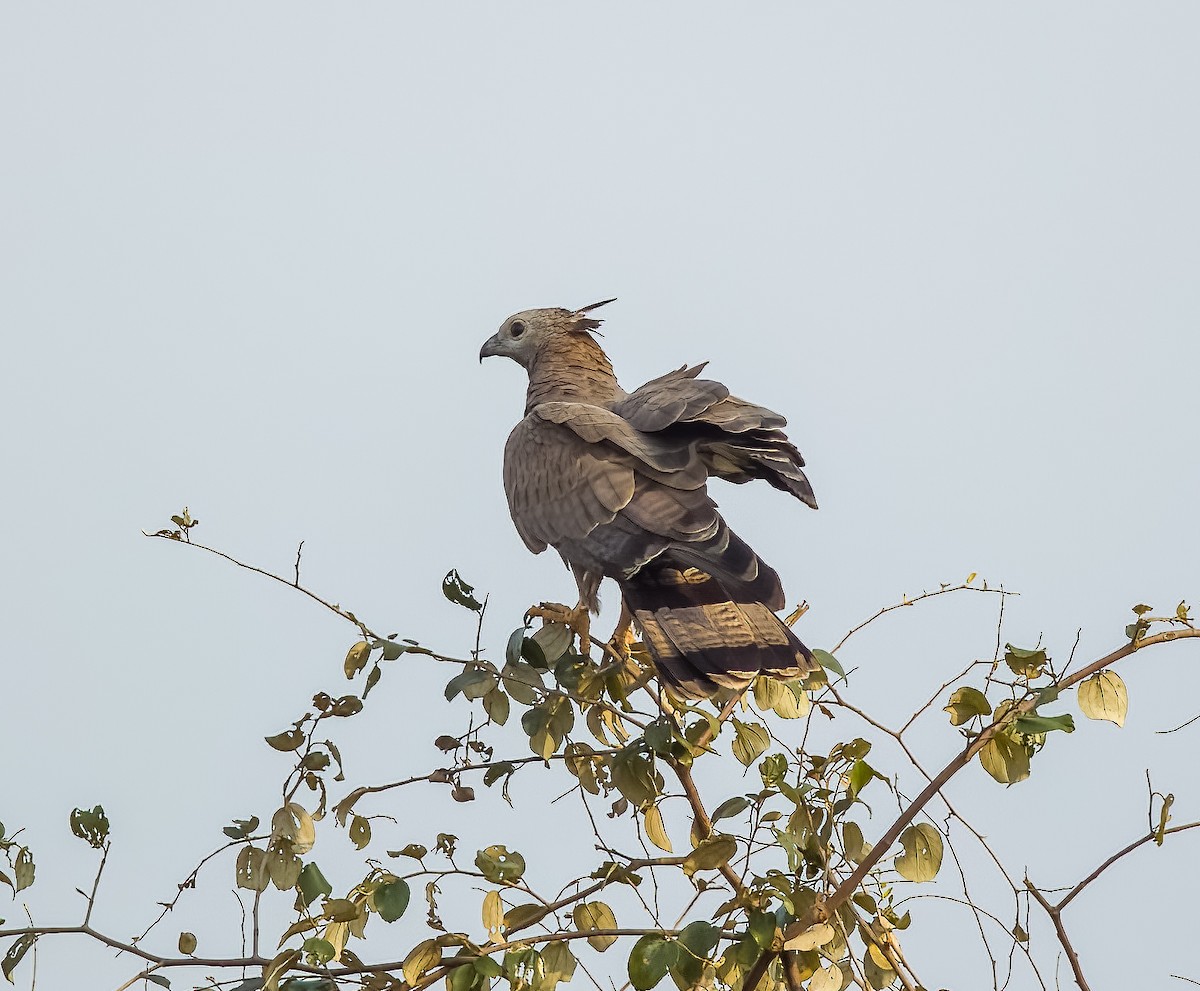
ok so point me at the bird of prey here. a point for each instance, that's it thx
(617, 483)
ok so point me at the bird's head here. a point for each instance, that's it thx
(524, 334)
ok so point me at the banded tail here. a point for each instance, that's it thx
(706, 632)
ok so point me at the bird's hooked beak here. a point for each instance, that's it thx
(490, 348)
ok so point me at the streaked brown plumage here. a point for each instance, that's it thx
(616, 482)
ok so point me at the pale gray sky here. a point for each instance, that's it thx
(248, 253)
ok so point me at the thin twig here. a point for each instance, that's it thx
(1072, 956)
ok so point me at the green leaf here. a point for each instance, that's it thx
(391, 899)
(1142, 609)
(861, 775)
(288, 740)
(464, 978)
(158, 979)
(649, 961)
(922, 856)
(660, 735)
(372, 680)
(523, 682)
(356, 658)
(696, 942)
(312, 884)
(1026, 663)
(1104, 696)
(474, 683)
(283, 866)
(531, 651)
(558, 966)
(319, 951)
(761, 927)
(391, 650)
(241, 828)
(360, 832)
(553, 639)
(14, 955)
(187, 943)
(91, 826)
(965, 704)
(512, 652)
(632, 772)
(23, 869)
(251, 869)
(340, 910)
(773, 770)
(750, 741)
(829, 662)
(711, 854)
(488, 968)
(347, 705)
(495, 704)
(459, 592)
(520, 916)
(1033, 724)
(499, 864)
(595, 915)
(855, 847)
(730, 807)
(1005, 759)
(416, 851)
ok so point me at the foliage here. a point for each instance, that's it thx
(773, 886)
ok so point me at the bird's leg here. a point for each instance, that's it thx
(622, 637)
(579, 620)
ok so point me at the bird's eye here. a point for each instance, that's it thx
(517, 328)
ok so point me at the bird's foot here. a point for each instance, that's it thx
(620, 644)
(578, 620)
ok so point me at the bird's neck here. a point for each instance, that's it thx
(571, 368)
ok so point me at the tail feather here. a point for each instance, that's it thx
(702, 638)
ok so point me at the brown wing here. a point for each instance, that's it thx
(737, 441)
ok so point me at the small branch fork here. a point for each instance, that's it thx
(1054, 910)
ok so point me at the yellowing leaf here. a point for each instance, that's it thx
(187, 943)
(558, 965)
(1104, 696)
(493, 912)
(595, 915)
(421, 958)
(305, 833)
(277, 967)
(965, 704)
(749, 742)
(1005, 759)
(655, 830)
(878, 958)
(922, 856)
(714, 853)
(812, 937)
(356, 658)
(826, 979)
